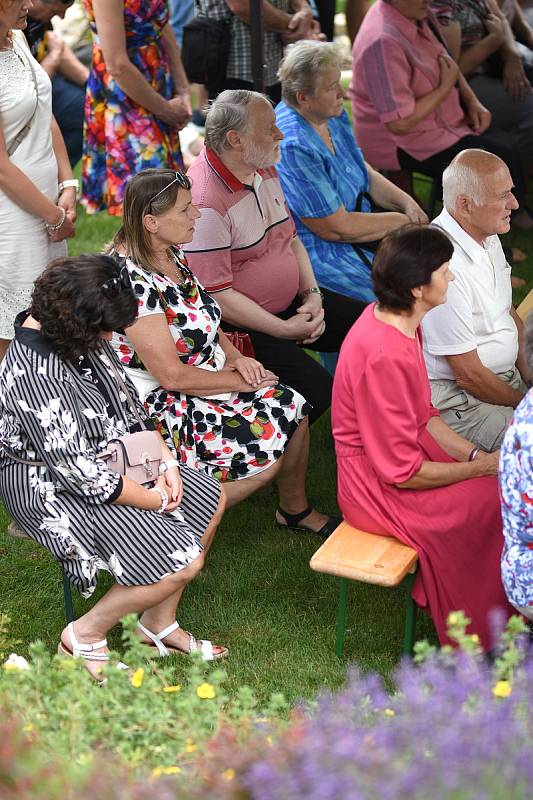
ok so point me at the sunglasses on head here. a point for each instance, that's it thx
(113, 286)
(180, 178)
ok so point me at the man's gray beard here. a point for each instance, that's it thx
(258, 159)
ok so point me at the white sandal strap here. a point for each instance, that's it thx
(156, 638)
(203, 645)
(86, 650)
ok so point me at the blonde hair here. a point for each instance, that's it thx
(302, 64)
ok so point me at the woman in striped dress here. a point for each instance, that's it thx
(60, 404)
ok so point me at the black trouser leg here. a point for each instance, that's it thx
(293, 365)
(436, 164)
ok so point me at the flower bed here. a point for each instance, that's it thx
(454, 728)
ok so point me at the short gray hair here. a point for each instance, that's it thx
(229, 112)
(299, 70)
(464, 176)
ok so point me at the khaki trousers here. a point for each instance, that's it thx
(482, 423)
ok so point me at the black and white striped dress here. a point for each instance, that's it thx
(64, 415)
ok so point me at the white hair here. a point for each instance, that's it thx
(303, 62)
(460, 179)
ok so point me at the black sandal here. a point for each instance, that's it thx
(293, 520)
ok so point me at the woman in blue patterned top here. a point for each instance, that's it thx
(329, 187)
(516, 487)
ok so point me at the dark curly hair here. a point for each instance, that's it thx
(72, 306)
(406, 259)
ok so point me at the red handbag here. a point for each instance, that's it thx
(242, 342)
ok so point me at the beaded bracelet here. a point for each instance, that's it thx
(164, 498)
(57, 225)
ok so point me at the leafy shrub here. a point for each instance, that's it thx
(455, 728)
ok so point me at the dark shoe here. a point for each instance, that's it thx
(293, 522)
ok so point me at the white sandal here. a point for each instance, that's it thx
(203, 645)
(86, 651)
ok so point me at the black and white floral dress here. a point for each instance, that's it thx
(63, 415)
(230, 436)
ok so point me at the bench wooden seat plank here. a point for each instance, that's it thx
(367, 557)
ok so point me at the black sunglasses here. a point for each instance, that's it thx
(180, 178)
(113, 286)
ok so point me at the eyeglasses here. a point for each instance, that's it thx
(113, 286)
(180, 178)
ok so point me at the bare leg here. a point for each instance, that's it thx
(291, 479)
(121, 600)
(239, 490)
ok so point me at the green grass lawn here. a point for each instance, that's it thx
(257, 595)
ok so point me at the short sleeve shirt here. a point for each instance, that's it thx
(316, 183)
(243, 239)
(477, 312)
(395, 62)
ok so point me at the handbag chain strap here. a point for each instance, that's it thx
(126, 391)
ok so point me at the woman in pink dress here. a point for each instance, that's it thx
(401, 470)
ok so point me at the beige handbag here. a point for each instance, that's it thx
(136, 455)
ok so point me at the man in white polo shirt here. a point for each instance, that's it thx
(473, 343)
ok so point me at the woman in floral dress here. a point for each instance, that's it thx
(137, 98)
(222, 412)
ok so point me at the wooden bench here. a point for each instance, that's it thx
(356, 555)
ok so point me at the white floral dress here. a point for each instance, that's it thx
(228, 436)
(54, 412)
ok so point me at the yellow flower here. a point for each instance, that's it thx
(502, 689)
(158, 771)
(475, 638)
(228, 774)
(269, 740)
(190, 747)
(175, 688)
(28, 728)
(453, 618)
(137, 678)
(206, 691)
(389, 712)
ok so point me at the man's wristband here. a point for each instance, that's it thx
(315, 290)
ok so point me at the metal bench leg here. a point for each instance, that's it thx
(67, 594)
(410, 617)
(341, 617)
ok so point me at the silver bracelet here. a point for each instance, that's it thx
(58, 225)
(164, 498)
(474, 453)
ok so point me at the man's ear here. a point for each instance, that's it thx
(235, 140)
(151, 223)
(464, 204)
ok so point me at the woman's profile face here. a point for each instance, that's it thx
(14, 14)
(326, 100)
(434, 293)
(176, 224)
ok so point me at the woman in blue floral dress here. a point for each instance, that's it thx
(223, 413)
(516, 487)
(137, 98)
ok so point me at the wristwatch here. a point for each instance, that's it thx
(168, 465)
(70, 182)
(314, 290)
